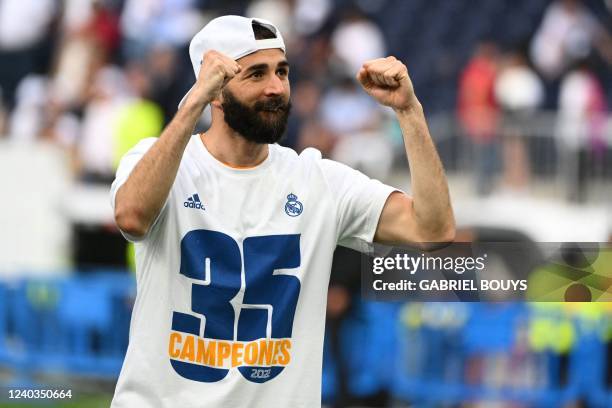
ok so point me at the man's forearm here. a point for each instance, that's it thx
(142, 196)
(429, 187)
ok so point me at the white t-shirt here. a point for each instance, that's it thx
(232, 279)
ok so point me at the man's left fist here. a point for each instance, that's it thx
(387, 81)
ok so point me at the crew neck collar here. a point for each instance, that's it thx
(229, 169)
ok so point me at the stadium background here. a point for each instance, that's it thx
(517, 95)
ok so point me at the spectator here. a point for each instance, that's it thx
(478, 112)
(103, 26)
(369, 151)
(568, 33)
(306, 99)
(165, 72)
(345, 108)
(278, 11)
(310, 15)
(24, 28)
(90, 38)
(148, 23)
(356, 39)
(580, 126)
(314, 134)
(356, 124)
(519, 92)
(27, 118)
(139, 118)
(95, 150)
(61, 126)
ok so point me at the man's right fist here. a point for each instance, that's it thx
(216, 71)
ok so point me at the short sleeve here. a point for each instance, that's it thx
(359, 201)
(126, 165)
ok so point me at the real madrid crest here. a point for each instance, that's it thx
(293, 207)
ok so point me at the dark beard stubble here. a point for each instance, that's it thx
(249, 121)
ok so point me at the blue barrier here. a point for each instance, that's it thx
(76, 326)
(330, 374)
(367, 344)
(485, 352)
(427, 367)
(589, 360)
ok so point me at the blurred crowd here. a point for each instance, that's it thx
(500, 92)
(96, 76)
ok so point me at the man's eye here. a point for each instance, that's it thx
(282, 72)
(257, 74)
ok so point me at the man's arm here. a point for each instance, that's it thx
(428, 215)
(140, 199)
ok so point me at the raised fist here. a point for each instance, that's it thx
(216, 71)
(387, 81)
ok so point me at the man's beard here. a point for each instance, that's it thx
(250, 123)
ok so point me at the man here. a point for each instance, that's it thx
(236, 234)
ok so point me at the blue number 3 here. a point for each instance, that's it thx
(267, 308)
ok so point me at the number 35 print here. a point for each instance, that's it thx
(232, 325)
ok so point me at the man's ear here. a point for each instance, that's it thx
(216, 103)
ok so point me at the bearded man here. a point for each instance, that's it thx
(235, 234)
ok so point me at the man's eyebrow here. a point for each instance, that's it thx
(256, 67)
(264, 66)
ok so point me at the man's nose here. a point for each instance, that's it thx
(274, 86)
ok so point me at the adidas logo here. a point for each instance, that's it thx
(194, 202)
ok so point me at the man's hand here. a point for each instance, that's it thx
(216, 71)
(387, 81)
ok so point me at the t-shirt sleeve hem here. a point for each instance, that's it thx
(379, 200)
(365, 243)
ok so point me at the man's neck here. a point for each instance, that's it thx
(230, 148)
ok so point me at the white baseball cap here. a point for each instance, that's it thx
(232, 36)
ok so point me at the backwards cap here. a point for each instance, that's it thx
(232, 36)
